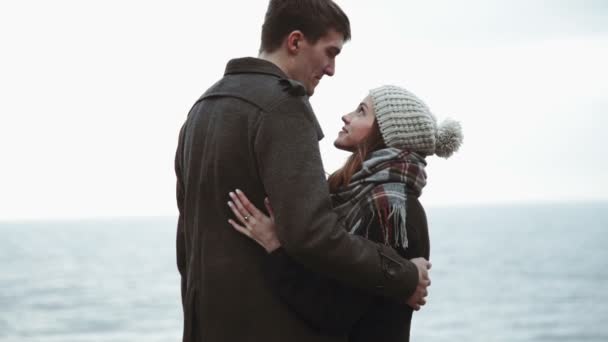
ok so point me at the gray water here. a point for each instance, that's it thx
(503, 273)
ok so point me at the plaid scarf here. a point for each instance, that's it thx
(381, 188)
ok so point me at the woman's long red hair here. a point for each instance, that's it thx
(353, 164)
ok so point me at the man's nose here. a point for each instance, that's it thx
(330, 69)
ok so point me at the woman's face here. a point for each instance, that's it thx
(357, 126)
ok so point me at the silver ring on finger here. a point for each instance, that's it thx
(246, 217)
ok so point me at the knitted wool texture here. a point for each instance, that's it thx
(405, 121)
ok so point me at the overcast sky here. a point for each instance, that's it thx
(93, 95)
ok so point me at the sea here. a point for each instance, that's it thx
(525, 272)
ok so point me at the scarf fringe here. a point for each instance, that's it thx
(393, 223)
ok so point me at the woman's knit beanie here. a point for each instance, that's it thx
(407, 123)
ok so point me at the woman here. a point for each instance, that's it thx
(375, 194)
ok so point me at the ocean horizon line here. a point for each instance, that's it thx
(450, 206)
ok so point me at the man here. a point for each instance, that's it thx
(255, 130)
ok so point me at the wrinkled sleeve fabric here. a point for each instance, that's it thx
(290, 166)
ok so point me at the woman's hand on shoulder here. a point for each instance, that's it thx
(254, 223)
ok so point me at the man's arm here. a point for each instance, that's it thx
(291, 169)
(325, 304)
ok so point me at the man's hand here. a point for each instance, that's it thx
(417, 299)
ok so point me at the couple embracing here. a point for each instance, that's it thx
(291, 255)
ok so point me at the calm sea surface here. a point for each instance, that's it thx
(503, 273)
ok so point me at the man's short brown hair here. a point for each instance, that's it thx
(314, 18)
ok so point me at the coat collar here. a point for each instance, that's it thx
(248, 65)
(253, 65)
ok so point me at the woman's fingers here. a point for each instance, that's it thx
(248, 205)
(245, 215)
(254, 223)
(269, 208)
(237, 209)
(240, 228)
(245, 232)
(246, 212)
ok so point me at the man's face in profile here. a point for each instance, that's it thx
(313, 61)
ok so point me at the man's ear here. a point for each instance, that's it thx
(294, 41)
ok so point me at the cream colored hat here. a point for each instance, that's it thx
(407, 123)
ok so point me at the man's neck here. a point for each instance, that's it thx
(276, 59)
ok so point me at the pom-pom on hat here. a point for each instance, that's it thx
(407, 123)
